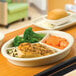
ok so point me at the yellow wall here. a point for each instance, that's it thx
(53, 4)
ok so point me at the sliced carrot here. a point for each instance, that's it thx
(63, 44)
(57, 42)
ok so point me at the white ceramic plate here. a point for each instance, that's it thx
(44, 59)
(71, 22)
(60, 21)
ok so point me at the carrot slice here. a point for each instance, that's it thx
(57, 42)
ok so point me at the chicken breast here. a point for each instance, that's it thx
(28, 50)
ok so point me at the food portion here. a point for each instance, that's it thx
(30, 50)
(12, 52)
(28, 46)
(45, 24)
(57, 14)
(29, 36)
(56, 42)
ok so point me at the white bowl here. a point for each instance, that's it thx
(41, 60)
(60, 21)
(1, 38)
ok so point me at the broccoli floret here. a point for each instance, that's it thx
(33, 40)
(42, 35)
(18, 40)
(29, 36)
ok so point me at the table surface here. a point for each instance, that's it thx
(8, 69)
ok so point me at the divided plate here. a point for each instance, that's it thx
(37, 61)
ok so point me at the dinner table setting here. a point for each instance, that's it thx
(39, 50)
